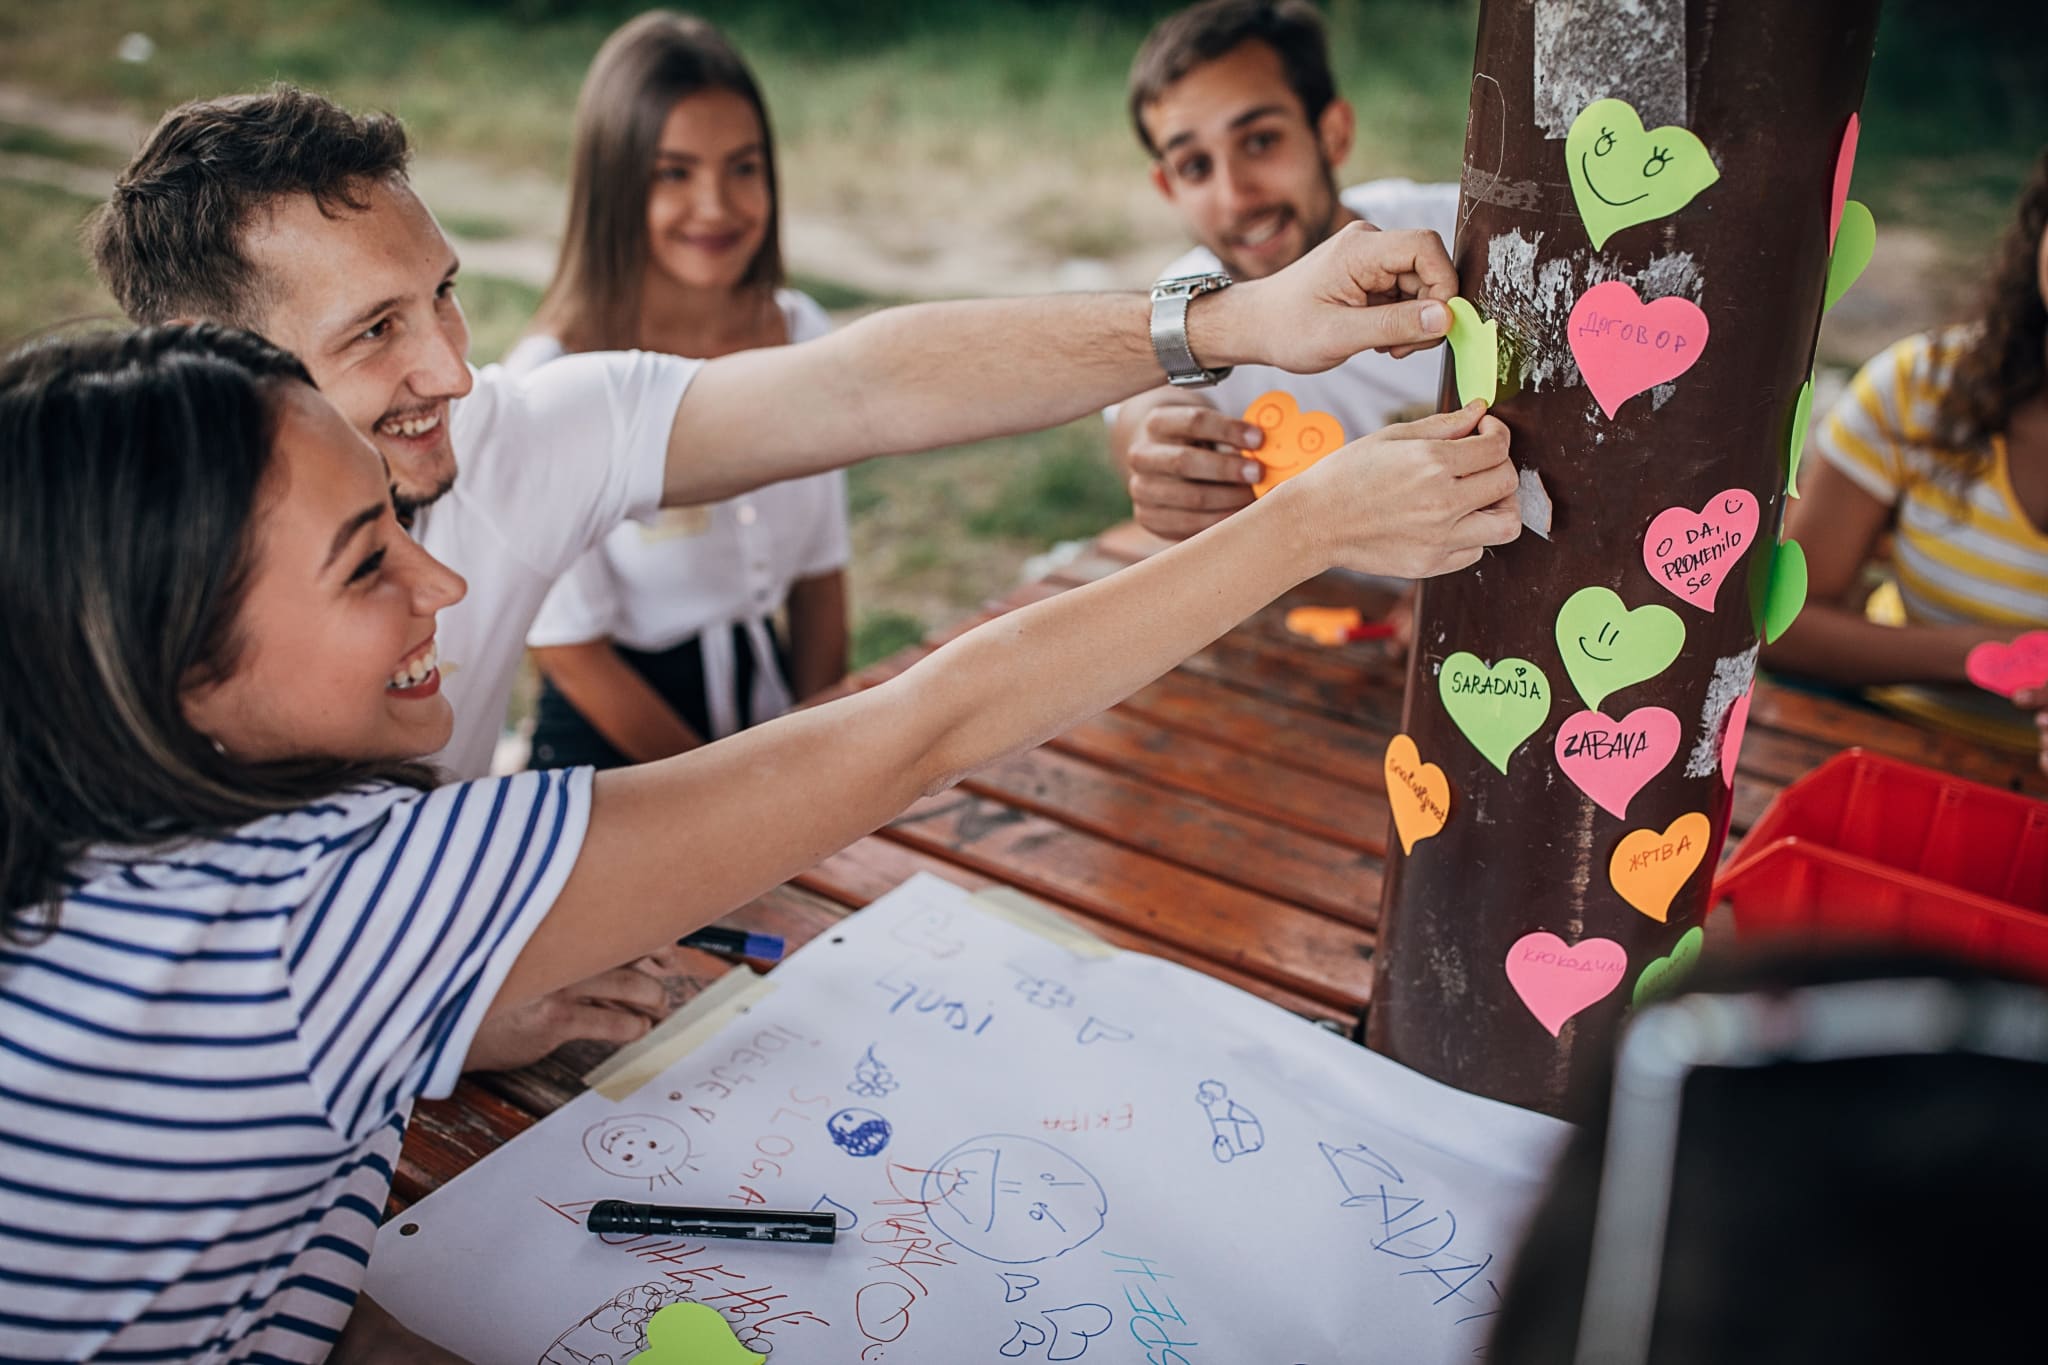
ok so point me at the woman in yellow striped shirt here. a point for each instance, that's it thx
(1943, 440)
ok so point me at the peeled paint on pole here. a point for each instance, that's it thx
(1648, 210)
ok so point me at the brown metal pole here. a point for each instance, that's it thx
(1768, 87)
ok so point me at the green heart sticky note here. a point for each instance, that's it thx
(1475, 351)
(1622, 175)
(1787, 593)
(1665, 974)
(1607, 647)
(1854, 242)
(1498, 708)
(1795, 440)
(693, 1334)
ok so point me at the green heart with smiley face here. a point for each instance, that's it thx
(1607, 647)
(1622, 175)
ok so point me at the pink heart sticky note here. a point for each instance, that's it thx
(1731, 734)
(1625, 346)
(1557, 982)
(1845, 165)
(2005, 669)
(1691, 552)
(1612, 760)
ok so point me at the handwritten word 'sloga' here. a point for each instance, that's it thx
(1475, 353)
(1557, 981)
(1418, 792)
(1294, 440)
(1625, 346)
(1690, 553)
(2021, 666)
(1623, 175)
(1496, 707)
(1650, 866)
(1611, 760)
(1607, 647)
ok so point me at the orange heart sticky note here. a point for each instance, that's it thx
(1419, 793)
(1294, 439)
(1649, 867)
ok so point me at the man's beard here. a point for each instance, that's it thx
(407, 507)
(1314, 234)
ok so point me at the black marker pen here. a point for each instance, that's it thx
(754, 1225)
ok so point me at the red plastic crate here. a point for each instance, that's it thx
(1874, 848)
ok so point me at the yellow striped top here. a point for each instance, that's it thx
(1961, 553)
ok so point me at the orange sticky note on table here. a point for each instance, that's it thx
(1649, 866)
(1294, 439)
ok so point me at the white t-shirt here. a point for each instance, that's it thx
(206, 1068)
(1369, 390)
(695, 571)
(548, 463)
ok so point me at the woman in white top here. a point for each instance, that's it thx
(665, 636)
(242, 928)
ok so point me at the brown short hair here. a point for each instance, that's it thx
(168, 243)
(1202, 33)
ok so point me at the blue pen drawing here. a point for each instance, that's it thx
(1016, 1285)
(1235, 1131)
(930, 932)
(1099, 1031)
(872, 1078)
(843, 1218)
(615, 1331)
(1042, 991)
(1065, 1335)
(858, 1132)
(1013, 1200)
(1414, 1231)
(954, 1013)
(639, 1147)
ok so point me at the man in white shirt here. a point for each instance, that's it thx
(285, 214)
(1234, 101)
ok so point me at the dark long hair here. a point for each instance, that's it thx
(593, 302)
(2007, 359)
(132, 465)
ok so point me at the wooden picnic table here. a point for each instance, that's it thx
(1231, 817)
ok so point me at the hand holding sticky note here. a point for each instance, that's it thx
(1475, 353)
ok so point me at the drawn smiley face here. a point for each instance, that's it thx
(638, 1146)
(1607, 647)
(1623, 175)
(1014, 1200)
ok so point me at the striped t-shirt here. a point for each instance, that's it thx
(206, 1069)
(1960, 553)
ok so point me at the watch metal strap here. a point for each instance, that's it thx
(1170, 299)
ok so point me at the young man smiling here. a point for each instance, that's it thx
(1235, 103)
(285, 214)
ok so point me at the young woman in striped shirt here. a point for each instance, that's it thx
(1943, 441)
(240, 928)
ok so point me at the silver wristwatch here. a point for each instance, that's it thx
(1170, 328)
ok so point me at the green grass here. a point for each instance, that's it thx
(44, 279)
(477, 227)
(1061, 490)
(498, 311)
(878, 634)
(26, 139)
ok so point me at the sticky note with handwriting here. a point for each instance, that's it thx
(1625, 346)
(1690, 553)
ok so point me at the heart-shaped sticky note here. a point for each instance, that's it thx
(1498, 708)
(1475, 353)
(1845, 165)
(1786, 597)
(1625, 346)
(693, 1334)
(1666, 974)
(1419, 793)
(2020, 666)
(1557, 982)
(1732, 730)
(1691, 552)
(1649, 867)
(1795, 439)
(1294, 439)
(1607, 647)
(1854, 242)
(1622, 175)
(1325, 625)
(1612, 760)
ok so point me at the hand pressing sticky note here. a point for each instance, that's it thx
(2021, 666)
(1607, 647)
(1690, 553)
(1418, 792)
(1557, 981)
(1855, 240)
(1786, 597)
(1475, 353)
(693, 1334)
(1795, 439)
(1622, 175)
(1650, 867)
(1611, 760)
(1294, 439)
(1625, 347)
(1497, 708)
(1666, 974)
